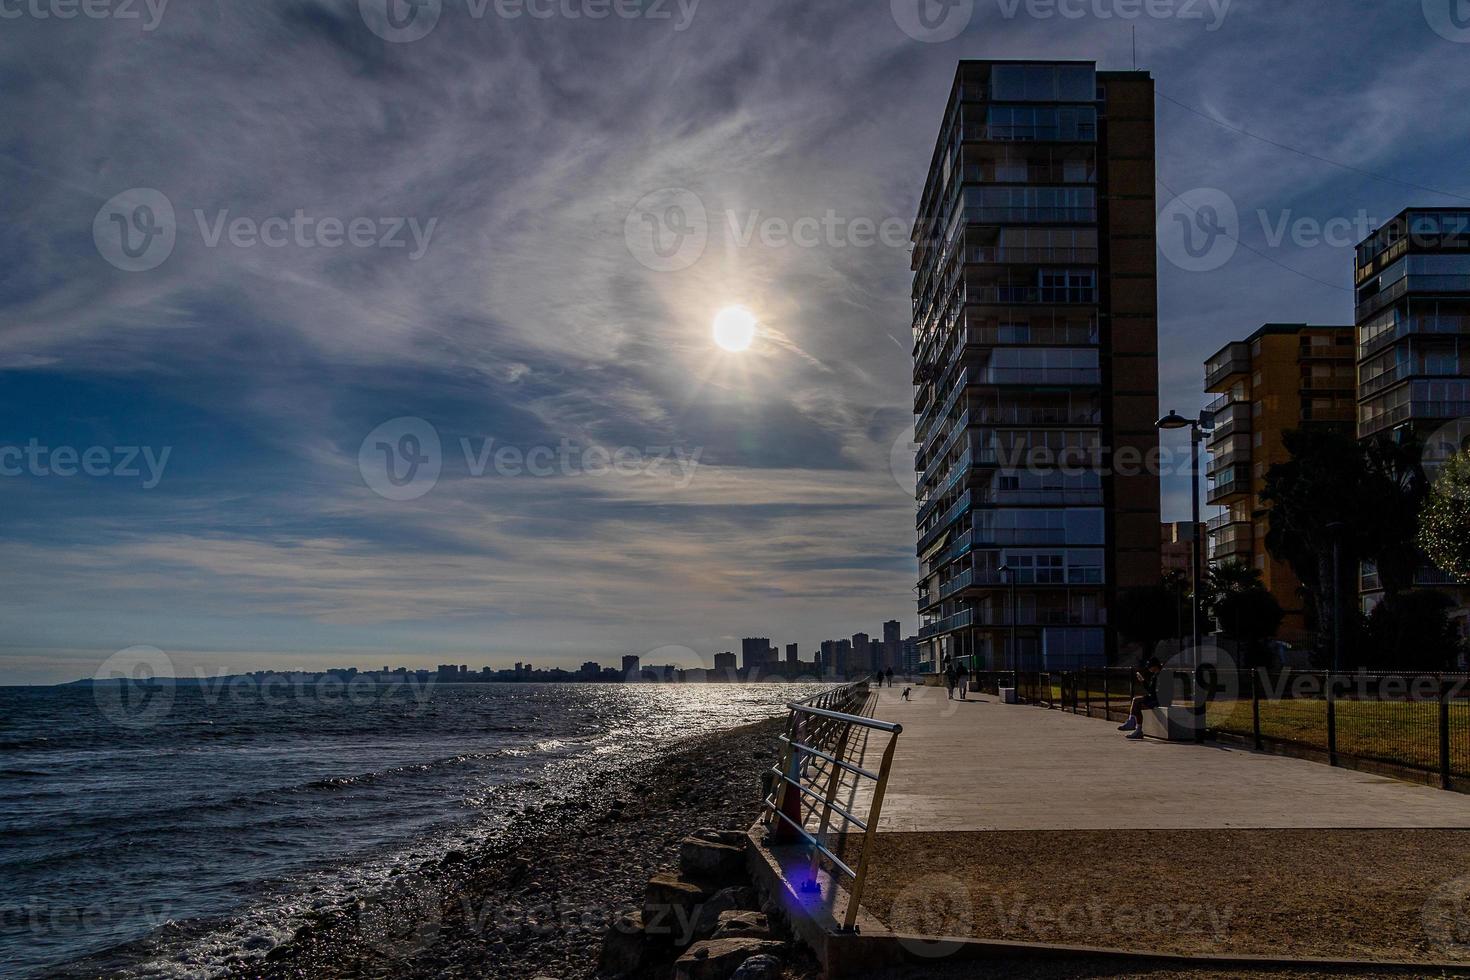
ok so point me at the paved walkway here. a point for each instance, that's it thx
(982, 765)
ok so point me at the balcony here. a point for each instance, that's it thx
(1223, 521)
(1218, 370)
(1336, 383)
(1038, 376)
(1042, 617)
(955, 511)
(1235, 421)
(1417, 411)
(1031, 294)
(959, 583)
(1225, 401)
(1039, 415)
(1432, 325)
(948, 625)
(1026, 216)
(996, 255)
(1230, 482)
(1226, 545)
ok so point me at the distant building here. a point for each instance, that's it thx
(844, 657)
(862, 653)
(1177, 548)
(630, 668)
(793, 654)
(909, 657)
(1285, 376)
(755, 652)
(725, 663)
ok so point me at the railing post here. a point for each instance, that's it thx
(875, 812)
(1444, 734)
(1087, 690)
(1331, 722)
(1107, 694)
(1256, 708)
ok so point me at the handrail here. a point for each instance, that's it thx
(818, 729)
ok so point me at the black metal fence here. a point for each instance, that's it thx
(1407, 725)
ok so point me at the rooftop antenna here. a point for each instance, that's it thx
(1135, 47)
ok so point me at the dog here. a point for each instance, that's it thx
(906, 693)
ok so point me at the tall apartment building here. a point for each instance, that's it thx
(1035, 362)
(755, 653)
(1284, 376)
(793, 653)
(892, 644)
(1413, 317)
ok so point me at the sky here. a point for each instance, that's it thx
(256, 252)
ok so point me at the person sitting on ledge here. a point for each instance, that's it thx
(1147, 674)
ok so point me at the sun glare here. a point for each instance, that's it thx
(735, 328)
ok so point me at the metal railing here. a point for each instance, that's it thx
(1409, 725)
(825, 742)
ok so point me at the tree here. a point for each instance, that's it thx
(1444, 531)
(1315, 501)
(1250, 617)
(1414, 632)
(1146, 615)
(1398, 487)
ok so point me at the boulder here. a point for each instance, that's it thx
(717, 959)
(670, 905)
(742, 925)
(762, 967)
(735, 838)
(711, 861)
(623, 947)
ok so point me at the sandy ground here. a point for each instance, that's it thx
(1399, 894)
(538, 905)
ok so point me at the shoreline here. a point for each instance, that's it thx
(538, 900)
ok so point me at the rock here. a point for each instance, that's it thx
(453, 857)
(670, 904)
(710, 861)
(742, 925)
(716, 959)
(735, 838)
(707, 919)
(761, 967)
(623, 947)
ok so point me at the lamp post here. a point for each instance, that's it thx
(1196, 427)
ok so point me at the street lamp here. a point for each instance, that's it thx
(1196, 428)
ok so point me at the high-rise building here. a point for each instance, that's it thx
(827, 660)
(755, 653)
(1413, 319)
(630, 668)
(892, 644)
(909, 657)
(793, 653)
(843, 657)
(725, 663)
(1284, 376)
(862, 653)
(1036, 362)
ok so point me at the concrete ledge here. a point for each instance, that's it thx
(1007, 695)
(1175, 723)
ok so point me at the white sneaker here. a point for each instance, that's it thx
(1128, 725)
(1134, 735)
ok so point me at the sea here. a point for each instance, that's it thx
(154, 832)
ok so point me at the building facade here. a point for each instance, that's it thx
(1413, 317)
(1176, 542)
(1035, 363)
(1284, 376)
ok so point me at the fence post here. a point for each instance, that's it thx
(1331, 722)
(1107, 695)
(1087, 690)
(1444, 734)
(1256, 708)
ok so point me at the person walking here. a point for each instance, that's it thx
(890, 676)
(950, 676)
(962, 679)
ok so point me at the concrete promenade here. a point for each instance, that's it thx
(981, 765)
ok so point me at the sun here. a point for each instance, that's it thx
(735, 329)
